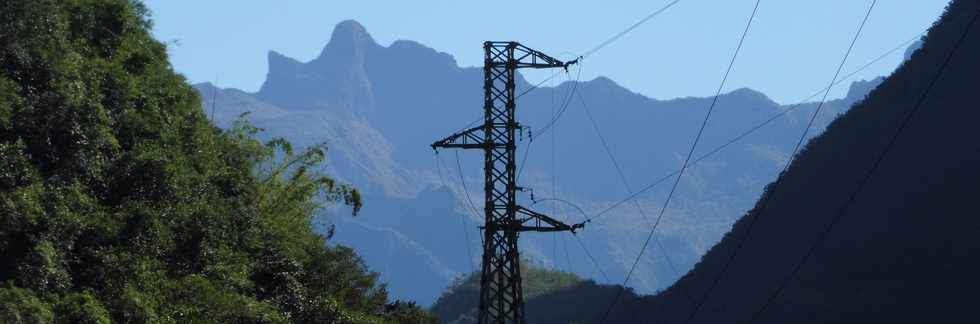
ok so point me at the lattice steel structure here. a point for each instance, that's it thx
(501, 294)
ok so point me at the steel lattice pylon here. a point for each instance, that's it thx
(501, 294)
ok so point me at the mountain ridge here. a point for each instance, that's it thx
(379, 120)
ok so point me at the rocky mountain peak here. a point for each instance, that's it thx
(349, 36)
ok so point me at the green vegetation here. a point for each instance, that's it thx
(458, 304)
(121, 202)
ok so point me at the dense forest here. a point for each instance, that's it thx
(121, 202)
(844, 238)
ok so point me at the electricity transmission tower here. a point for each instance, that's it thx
(501, 294)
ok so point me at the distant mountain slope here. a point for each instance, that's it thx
(379, 107)
(905, 251)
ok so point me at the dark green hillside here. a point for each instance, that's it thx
(907, 250)
(121, 202)
(458, 304)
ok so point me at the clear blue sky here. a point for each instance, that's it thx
(792, 50)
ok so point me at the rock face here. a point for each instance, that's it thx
(379, 107)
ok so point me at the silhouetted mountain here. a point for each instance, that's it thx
(903, 251)
(912, 49)
(379, 107)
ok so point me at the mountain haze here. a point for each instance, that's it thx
(379, 107)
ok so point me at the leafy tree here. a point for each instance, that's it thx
(121, 202)
(22, 306)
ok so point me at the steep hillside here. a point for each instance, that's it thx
(903, 251)
(120, 202)
(379, 107)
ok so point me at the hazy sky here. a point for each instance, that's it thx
(791, 51)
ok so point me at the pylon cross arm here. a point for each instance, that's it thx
(529, 58)
(472, 138)
(537, 222)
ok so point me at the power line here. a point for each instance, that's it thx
(593, 51)
(622, 178)
(744, 134)
(867, 176)
(466, 234)
(472, 206)
(755, 128)
(462, 182)
(469, 200)
(551, 123)
(532, 88)
(568, 258)
(629, 29)
(551, 126)
(607, 42)
(751, 130)
(537, 85)
(690, 153)
(527, 152)
(584, 248)
(589, 254)
(564, 107)
(577, 79)
(775, 186)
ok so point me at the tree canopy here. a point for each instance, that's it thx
(121, 202)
